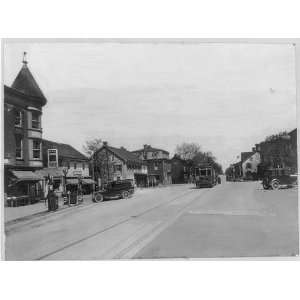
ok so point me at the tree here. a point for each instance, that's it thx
(92, 145)
(187, 150)
(192, 151)
(276, 137)
(207, 157)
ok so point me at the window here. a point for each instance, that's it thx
(19, 147)
(35, 119)
(83, 166)
(248, 166)
(36, 149)
(208, 172)
(203, 172)
(75, 165)
(18, 118)
(118, 168)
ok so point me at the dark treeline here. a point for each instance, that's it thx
(192, 152)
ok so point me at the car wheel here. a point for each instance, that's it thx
(125, 195)
(98, 198)
(275, 184)
(265, 185)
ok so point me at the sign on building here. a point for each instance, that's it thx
(52, 158)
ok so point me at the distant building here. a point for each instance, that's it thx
(158, 162)
(58, 157)
(279, 152)
(181, 170)
(234, 172)
(113, 163)
(23, 103)
(250, 166)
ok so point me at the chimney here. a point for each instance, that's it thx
(145, 146)
(253, 149)
(105, 143)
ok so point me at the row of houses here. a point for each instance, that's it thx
(277, 151)
(148, 166)
(30, 160)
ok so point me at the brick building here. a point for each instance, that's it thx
(113, 163)
(158, 163)
(59, 158)
(181, 170)
(23, 103)
(278, 152)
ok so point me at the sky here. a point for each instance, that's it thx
(225, 97)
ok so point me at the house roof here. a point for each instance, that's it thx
(246, 155)
(64, 150)
(55, 172)
(123, 154)
(26, 84)
(149, 148)
(26, 175)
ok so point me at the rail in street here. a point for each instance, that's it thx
(172, 222)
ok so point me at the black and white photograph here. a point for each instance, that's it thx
(158, 149)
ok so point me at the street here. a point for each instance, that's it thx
(234, 219)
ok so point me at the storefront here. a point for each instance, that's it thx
(72, 184)
(24, 187)
(141, 180)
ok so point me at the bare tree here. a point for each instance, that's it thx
(188, 150)
(92, 145)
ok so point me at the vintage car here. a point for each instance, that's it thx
(115, 189)
(279, 177)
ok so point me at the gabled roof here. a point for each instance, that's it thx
(26, 84)
(149, 148)
(123, 154)
(64, 150)
(245, 155)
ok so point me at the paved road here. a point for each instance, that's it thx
(231, 219)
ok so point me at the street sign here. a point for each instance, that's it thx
(52, 158)
(77, 173)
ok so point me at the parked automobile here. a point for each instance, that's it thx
(274, 178)
(115, 189)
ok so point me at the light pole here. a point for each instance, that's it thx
(65, 172)
(65, 197)
(93, 171)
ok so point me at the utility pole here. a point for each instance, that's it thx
(93, 171)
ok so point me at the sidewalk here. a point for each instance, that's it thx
(22, 212)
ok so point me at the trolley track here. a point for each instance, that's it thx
(119, 223)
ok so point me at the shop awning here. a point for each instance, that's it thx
(26, 176)
(72, 181)
(53, 172)
(88, 181)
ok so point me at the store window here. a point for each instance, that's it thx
(19, 147)
(36, 149)
(35, 119)
(18, 118)
(118, 168)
